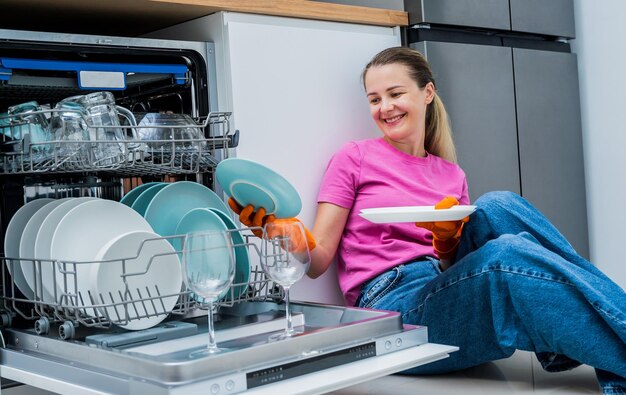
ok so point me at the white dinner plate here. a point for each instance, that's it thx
(385, 215)
(43, 242)
(27, 245)
(153, 268)
(82, 232)
(252, 183)
(12, 238)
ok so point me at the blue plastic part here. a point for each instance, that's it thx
(8, 64)
(5, 74)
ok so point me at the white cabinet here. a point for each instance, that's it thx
(295, 89)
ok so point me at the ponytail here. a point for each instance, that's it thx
(438, 140)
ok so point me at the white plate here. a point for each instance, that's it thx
(82, 232)
(384, 215)
(12, 238)
(157, 258)
(27, 245)
(43, 242)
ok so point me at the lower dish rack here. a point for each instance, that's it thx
(66, 305)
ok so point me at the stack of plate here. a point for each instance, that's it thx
(69, 252)
(175, 209)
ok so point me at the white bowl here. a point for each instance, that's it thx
(170, 131)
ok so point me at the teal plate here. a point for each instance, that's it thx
(252, 183)
(203, 220)
(171, 203)
(242, 259)
(142, 202)
(134, 193)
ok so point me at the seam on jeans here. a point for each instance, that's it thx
(386, 290)
(619, 319)
(485, 270)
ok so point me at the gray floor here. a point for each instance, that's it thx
(520, 374)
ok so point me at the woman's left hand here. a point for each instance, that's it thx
(446, 234)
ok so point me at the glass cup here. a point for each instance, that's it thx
(68, 126)
(208, 266)
(29, 124)
(285, 259)
(105, 129)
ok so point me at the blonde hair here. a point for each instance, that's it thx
(438, 139)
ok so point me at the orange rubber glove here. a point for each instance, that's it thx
(250, 218)
(258, 219)
(297, 241)
(446, 234)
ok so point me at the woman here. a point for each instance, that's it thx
(504, 280)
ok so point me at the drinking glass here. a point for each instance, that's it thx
(31, 125)
(208, 269)
(285, 258)
(105, 126)
(68, 126)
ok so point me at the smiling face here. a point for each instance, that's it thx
(398, 106)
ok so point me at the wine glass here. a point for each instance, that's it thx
(208, 270)
(285, 258)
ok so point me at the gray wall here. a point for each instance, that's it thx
(599, 43)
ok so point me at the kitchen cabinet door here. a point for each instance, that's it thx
(554, 17)
(475, 83)
(550, 140)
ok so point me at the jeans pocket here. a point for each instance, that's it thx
(435, 264)
(378, 287)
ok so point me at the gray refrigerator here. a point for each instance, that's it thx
(506, 73)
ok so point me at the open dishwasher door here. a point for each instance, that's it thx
(337, 347)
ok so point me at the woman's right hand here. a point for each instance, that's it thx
(251, 218)
(257, 219)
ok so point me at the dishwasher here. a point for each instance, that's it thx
(55, 345)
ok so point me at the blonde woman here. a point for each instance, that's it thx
(502, 279)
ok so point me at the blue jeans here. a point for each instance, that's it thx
(516, 284)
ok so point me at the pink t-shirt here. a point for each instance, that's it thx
(372, 173)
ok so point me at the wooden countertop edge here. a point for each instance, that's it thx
(303, 9)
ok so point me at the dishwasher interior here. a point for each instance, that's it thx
(58, 339)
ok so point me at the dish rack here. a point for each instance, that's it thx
(72, 309)
(139, 159)
(18, 151)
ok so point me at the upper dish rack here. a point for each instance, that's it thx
(72, 309)
(129, 157)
